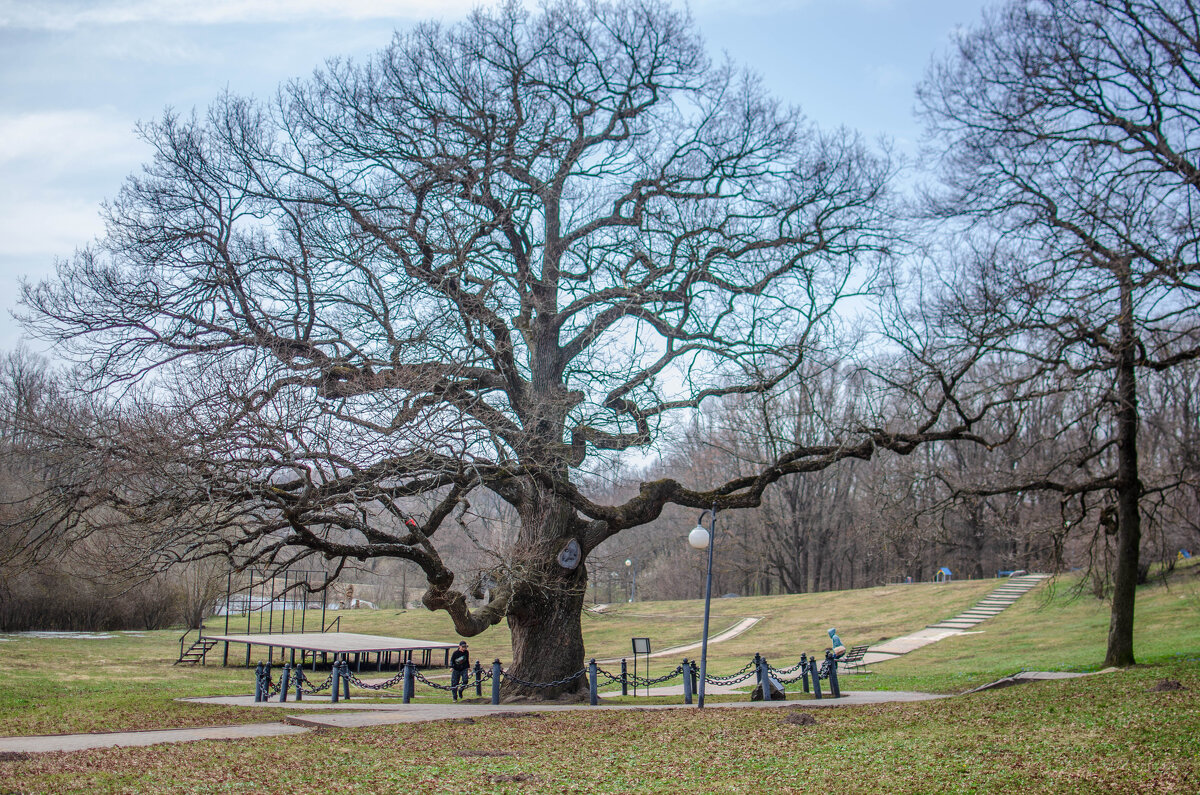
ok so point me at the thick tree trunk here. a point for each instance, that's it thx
(1129, 492)
(544, 615)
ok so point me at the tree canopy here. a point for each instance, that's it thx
(486, 258)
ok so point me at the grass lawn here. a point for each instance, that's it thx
(1111, 732)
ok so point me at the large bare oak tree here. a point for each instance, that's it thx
(485, 259)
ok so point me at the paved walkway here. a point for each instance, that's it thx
(964, 623)
(732, 632)
(386, 715)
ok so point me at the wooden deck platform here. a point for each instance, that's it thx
(352, 646)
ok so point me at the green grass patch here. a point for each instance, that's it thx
(63, 685)
(1113, 732)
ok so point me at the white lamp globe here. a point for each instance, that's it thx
(698, 538)
(628, 562)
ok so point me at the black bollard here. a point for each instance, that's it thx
(478, 680)
(804, 671)
(624, 678)
(496, 672)
(833, 680)
(687, 681)
(816, 676)
(593, 695)
(283, 685)
(258, 683)
(335, 673)
(299, 671)
(766, 679)
(345, 680)
(409, 682)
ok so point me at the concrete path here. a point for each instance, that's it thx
(385, 715)
(81, 742)
(964, 623)
(732, 632)
(416, 713)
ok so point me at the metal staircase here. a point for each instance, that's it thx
(197, 652)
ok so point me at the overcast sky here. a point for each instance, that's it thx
(77, 75)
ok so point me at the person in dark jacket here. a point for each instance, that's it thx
(460, 668)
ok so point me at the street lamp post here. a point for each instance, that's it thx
(700, 538)
(631, 564)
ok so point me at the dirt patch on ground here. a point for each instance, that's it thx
(470, 752)
(513, 778)
(800, 719)
(14, 756)
(514, 715)
(1166, 686)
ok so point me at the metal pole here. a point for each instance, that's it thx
(324, 602)
(712, 533)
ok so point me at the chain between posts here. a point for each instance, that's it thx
(271, 688)
(354, 680)
(541, 685)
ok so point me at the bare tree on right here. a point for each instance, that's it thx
(1068, 141)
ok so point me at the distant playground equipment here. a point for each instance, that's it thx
(275, 606)
(943, 575)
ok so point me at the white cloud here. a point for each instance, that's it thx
(54, 143)
(43, 227)
(69, 15)
(55, 169)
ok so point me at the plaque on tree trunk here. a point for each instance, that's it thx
(570, 555)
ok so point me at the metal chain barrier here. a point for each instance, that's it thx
(732, 679)
(641, 681)
(267, 687)
(556, 683)
(354, 680)
(312, 689)
(791, 669)
(418, 676)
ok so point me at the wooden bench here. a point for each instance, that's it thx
(854, 658)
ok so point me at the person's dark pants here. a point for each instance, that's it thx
(459, 681)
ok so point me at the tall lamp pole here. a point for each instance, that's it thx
(700, 538)
(631, 564)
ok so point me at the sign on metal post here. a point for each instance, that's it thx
(641, 646)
